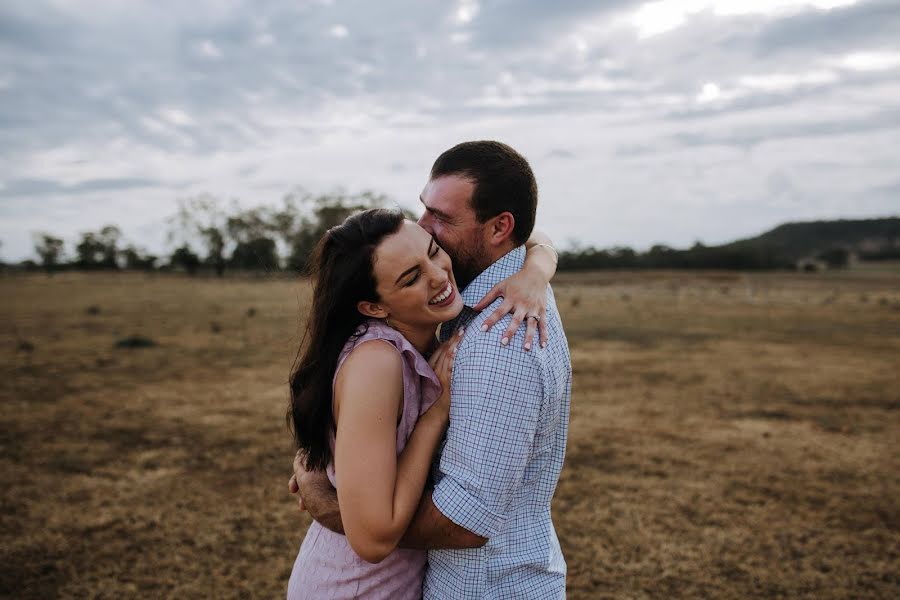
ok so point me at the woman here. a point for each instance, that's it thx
(372, 414)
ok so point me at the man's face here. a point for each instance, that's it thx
(450, 218)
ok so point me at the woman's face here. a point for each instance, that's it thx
(414, 278)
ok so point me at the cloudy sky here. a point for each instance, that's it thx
(645, 122)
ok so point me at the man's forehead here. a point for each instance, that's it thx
(448, 194)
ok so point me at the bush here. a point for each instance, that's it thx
(135, 341)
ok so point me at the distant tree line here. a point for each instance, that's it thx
(664, 257)
(807, 246)
(211, 236)
(738, 256)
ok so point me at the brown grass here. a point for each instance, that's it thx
(732, 436)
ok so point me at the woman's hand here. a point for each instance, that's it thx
(442, 364)
(524, 295)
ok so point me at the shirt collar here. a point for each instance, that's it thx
(509, 264)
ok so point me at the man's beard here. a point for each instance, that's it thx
(468, 262)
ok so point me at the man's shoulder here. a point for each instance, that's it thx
(487, 344)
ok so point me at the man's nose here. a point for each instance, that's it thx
(425, 222)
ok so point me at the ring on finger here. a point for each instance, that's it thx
(536, 318)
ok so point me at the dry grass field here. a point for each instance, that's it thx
(732, 436)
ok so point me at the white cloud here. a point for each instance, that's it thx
(466, 11)
(581, 47)
(176, 116)
(710, 93)
(658, 17)
(779, 82)
(460, 37)
(208, 49)
(165, 130)
(265, 39)
(339, 31)
(869, 61)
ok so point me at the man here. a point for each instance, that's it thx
(486, 522)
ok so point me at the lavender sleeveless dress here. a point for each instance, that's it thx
(327, 567)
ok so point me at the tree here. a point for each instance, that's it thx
(89, 251)
(185, 258)
(258, 253)
(109, 237)
(835, 258)
(49, 249)
(202, 216)
(99, 250)
(249, 224)
(215, 248)
(137, 260)
(327, 211)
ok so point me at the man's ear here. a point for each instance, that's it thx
(371, 309)
(501, 228)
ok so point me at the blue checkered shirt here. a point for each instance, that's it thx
(501, 459)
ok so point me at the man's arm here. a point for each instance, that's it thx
(431, 530)
(319, 498)
(316, 495)
(496, 397)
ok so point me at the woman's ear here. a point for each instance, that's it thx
(371, 309)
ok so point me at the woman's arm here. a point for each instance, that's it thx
(541, 256)
(525, 293)
(378, 491)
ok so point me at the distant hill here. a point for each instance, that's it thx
(796, 241)
(808, 246)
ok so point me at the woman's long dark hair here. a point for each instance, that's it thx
(343, 274)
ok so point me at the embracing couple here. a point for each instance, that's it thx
(429, 462)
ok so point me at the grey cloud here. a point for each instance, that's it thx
(77, 81)
(17, 188)
(872, 23)
(517, 23)
(746, 137)
(890, 191)
(761, 99)
(561, 153)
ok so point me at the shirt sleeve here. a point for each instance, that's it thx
(495, 401)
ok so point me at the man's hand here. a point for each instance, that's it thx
(299, 472)
(316, 495)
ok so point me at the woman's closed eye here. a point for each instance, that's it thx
(433, 249)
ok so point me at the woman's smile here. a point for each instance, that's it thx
(445, 297)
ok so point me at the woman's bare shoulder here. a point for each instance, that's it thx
(373, 369)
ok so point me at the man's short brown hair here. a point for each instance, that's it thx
(502, 178)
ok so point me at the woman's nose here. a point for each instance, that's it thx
(436, 275)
